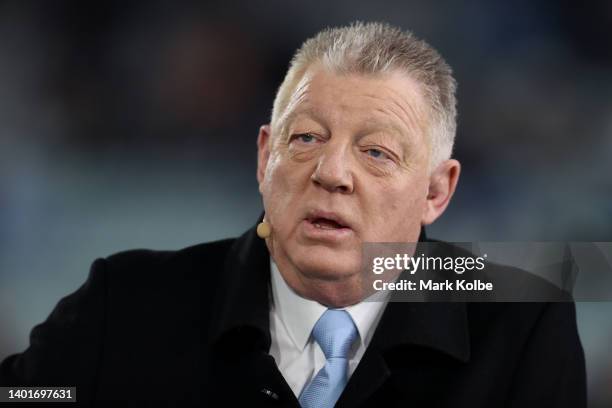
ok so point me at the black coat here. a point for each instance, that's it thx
(191, 327)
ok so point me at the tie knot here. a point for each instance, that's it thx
(335, 332)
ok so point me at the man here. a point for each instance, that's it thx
(358, 150)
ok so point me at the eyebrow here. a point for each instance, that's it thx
(373, 125)
(310, 111)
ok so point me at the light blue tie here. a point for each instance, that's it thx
(335, 332)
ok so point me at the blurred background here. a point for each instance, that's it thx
(133, 125)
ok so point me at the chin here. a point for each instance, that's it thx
(327, 264)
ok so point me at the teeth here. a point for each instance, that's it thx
(327, 227)
(326, 224)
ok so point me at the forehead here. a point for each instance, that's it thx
(388, 100)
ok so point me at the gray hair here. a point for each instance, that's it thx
(379, 48)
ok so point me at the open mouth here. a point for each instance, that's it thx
(326, 223)
(327, 226)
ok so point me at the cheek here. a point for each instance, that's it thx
(396, 212)
(281, 189)
(273, 185)
(276, 180)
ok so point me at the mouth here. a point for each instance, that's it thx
(326, 220)
(327, 225)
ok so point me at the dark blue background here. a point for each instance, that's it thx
(133, 124)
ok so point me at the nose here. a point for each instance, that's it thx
(333, 171)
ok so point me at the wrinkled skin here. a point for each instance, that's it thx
(347, 163)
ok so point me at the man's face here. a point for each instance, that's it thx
(348, 165)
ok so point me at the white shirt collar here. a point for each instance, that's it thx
(299, 314)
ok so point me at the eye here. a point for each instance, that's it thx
(305, 138)
(376, 153)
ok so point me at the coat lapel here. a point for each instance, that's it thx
(242, 370)
(410, 335)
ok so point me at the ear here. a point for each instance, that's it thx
(442, 183)
(263, 151)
